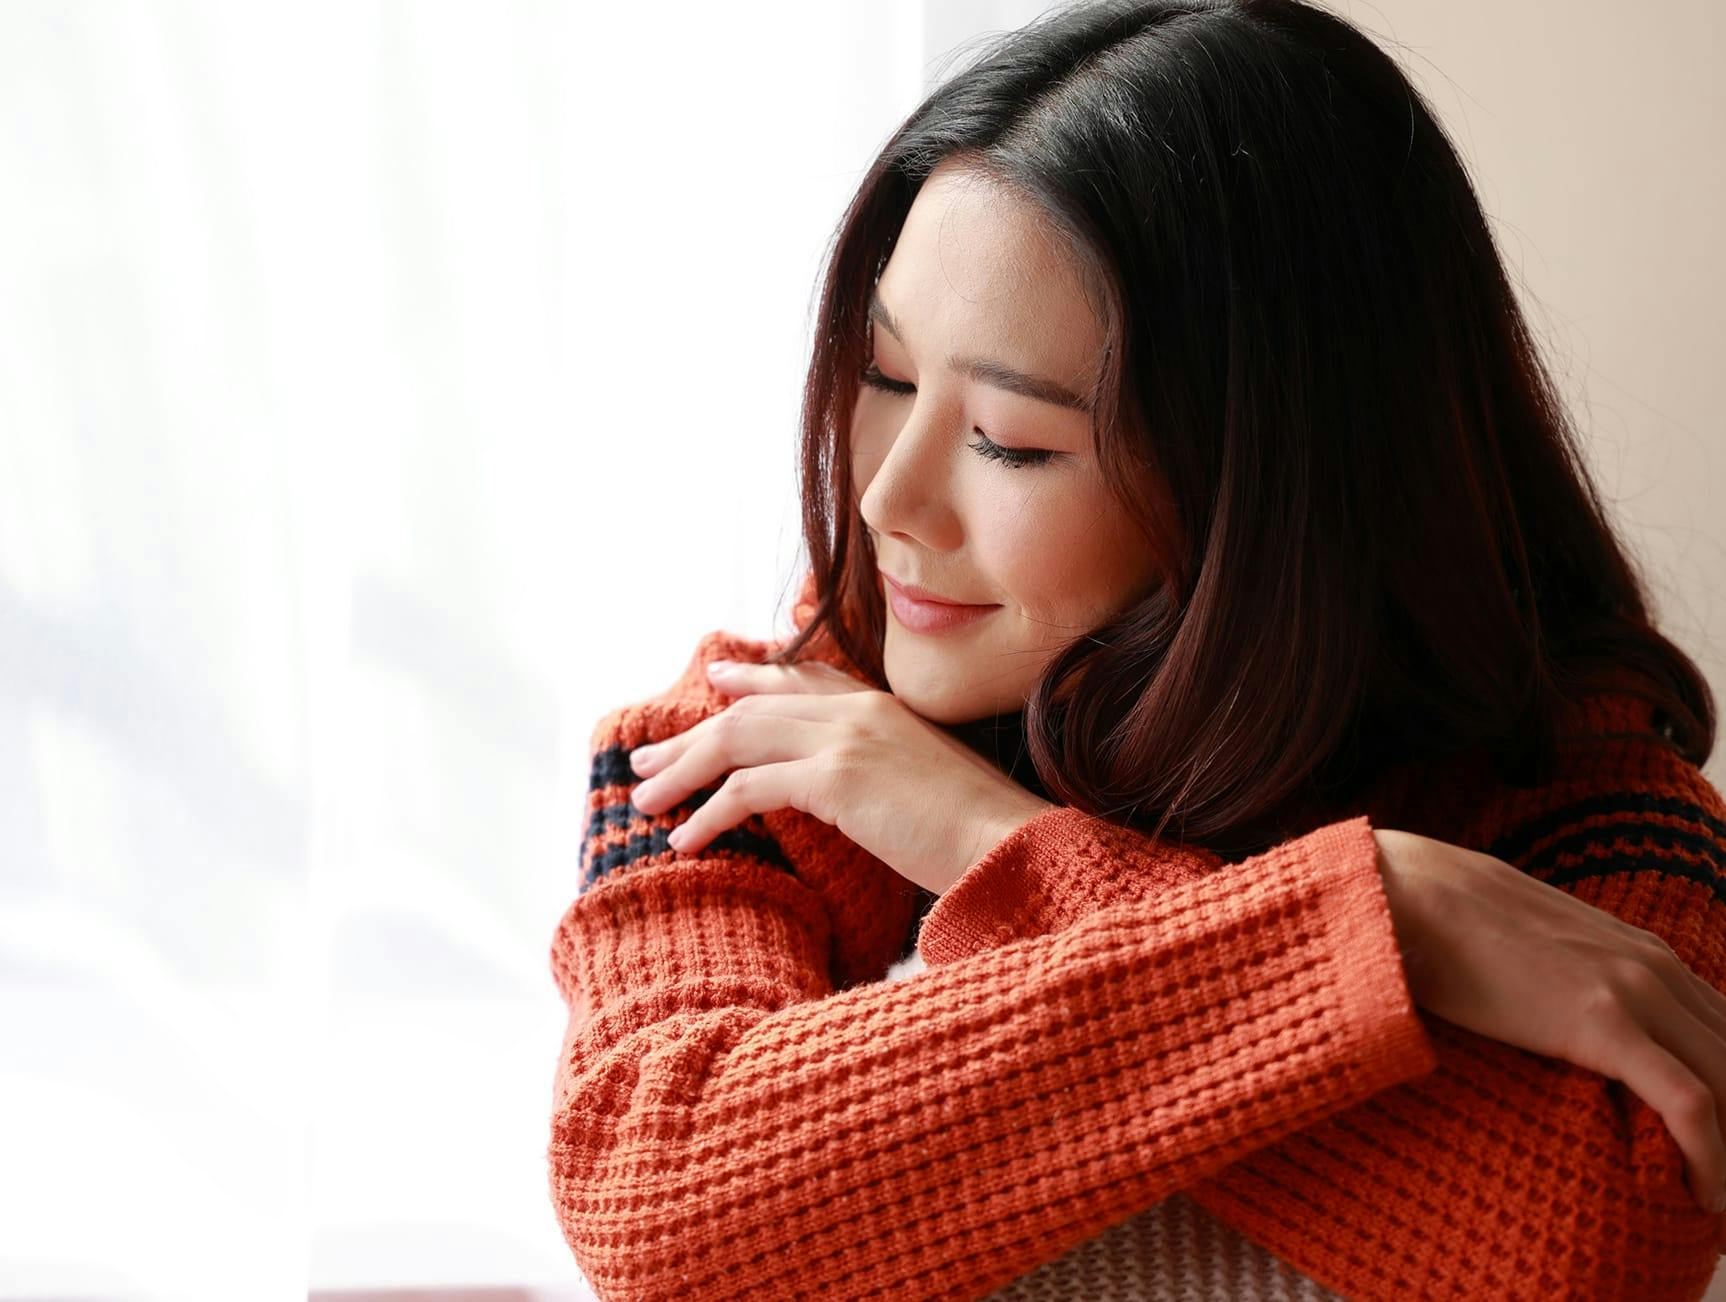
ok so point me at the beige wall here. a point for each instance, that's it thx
(1594, 135)
(1593, 132)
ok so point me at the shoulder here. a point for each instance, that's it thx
(1611, 772)
(684, 702)
(1621, 790)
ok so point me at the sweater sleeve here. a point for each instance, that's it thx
(1502, 1173)
(1047, 874)
(730, 1119)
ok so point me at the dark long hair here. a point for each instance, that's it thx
(1381, 542)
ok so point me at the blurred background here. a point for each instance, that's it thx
(386, 391)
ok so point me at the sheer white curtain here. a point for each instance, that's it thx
(386, 390)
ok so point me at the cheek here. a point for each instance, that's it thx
(1069, 560)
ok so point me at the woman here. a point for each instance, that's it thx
(1214, 668)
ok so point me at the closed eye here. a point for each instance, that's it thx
(1010, 458)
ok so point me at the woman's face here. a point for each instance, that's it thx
(973, 279)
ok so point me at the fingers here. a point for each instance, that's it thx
(811, 677)
(1693, 1029)
(1687, 1100)
(648, 761)
(734, 739)
(1705, 1003)
(747, 791)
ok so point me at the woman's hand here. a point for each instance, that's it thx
(811, 737)
(1496, 951)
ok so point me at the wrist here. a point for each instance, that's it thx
(1399, 870)
(1015, 816)
(996, 828)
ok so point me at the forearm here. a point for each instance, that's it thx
(727, 1128)
(1448, 1158)
(1046, 874)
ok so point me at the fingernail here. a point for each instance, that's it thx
(676, 839)
(717, 667)
(639, 756)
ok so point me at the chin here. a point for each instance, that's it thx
(936, 709)
(933, 694)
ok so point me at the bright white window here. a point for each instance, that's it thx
(380, 388)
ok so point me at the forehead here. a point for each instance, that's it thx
(976, 269)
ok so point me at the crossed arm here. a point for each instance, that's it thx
(1106, 1020)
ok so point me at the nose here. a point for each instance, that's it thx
(906, 488)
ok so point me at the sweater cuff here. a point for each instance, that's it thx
(1356, 916)
(1050, 871)
(730, 925)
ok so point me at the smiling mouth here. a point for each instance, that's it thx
(919, 616)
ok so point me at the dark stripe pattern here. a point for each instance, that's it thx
(611, 769)
(1707, 844)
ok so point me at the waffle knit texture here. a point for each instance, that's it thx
(1103, 1065)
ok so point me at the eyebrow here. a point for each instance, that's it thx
(995, 374)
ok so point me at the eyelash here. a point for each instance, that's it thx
(1010, 458)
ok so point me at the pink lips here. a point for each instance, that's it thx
(919, 613)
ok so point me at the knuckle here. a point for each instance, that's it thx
(1638, 982)
(1605, 1002)
(1663, 950)
(874, 704)
(843, 756)
(1694, 1101)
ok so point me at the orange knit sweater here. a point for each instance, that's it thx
(1106, 1026)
